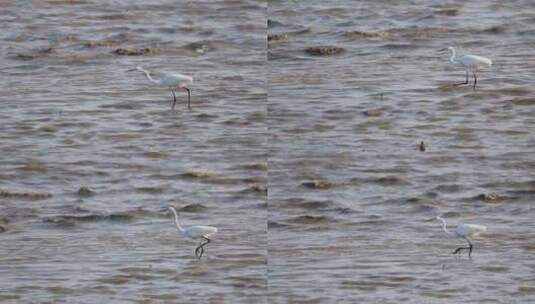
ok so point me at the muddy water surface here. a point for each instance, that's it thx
(90, 153)
(352, 200)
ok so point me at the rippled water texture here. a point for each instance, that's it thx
(328, 114)
(90, 153)
(352, 200)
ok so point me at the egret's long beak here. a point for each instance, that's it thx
(442, 50)
(131, 70)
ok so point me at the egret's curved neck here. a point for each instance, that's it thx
(452, 58)
(147, 74)
(180, 228)
(444, 225)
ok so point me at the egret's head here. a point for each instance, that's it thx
(166, 209)
(446, 50)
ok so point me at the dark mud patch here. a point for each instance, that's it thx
(25, 195)
(423, 201)
(529, 247)
(193, 208)
(35, 53)
(324, 50)
(85, 192)
(373, 112)
(257, 166)
(344, 210)
(451, 188)
(73, 220)
(278, 37)
(152, 190)
(318, 184)
(33, 167)
(399, 46)
(108, 42)
(119, 279)
(389, 181)
(274, 23)
(380, 283)
(496, 29)
(447, 12)
(312, 205)
(155, 154)
(494, 268)
(135, 51)
(204, 117)
(199, 47)
(256, 188)
(201, 175)
(366, 35)
(309, 219)
(273, 224)
(528, 101)
(417, 32)
(490, 197)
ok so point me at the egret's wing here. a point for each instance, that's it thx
(173, 80)
(200, 231)
(180, 77)
(183, 77)
(471, 229)
(475, 60)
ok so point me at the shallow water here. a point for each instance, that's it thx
(91, 152)
(73, 117)
(352, 200)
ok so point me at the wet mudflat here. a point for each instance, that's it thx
(354, 87)
(91, 152)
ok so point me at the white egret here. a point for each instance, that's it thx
(172, 81)
(472, 63)
(195, 232)
(464, 231)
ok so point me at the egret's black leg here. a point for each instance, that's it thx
(174, 99)
(202, 246)
(475, 80)
(197, 251)
(458, 250)
(189, 98)
(201, 251)
(465, 82)
(469, 248)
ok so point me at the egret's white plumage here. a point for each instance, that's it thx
(472, 63)
(195, 232)
(172, 81)
(464, 231)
